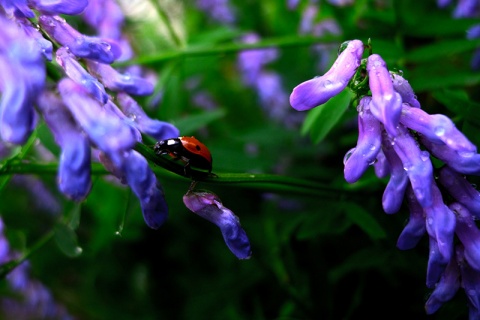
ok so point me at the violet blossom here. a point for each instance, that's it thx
(399, 139)
(82, 116)
(208, 206)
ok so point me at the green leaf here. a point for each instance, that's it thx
(192, 123)
(441, 49)
(323, 118)
(438, 25)
(66, 240)
(436, 81)
(364, 220)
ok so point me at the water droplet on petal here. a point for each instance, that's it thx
(328, 84)
(348, 155)
(424, 155)
(430, 221)
(439, 131)
(466, 154)
(107, 46)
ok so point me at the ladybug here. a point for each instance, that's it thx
(187, 149)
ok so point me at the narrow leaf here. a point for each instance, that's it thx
(323, 118)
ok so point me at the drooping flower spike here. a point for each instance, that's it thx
(408, 137)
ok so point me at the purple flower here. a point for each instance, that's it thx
(116, 81)
(105, 129)
(74, 163)
(251, 62)
(107, 18)
(468, 233)
(17, 8)
(80, 45)
(317, 91)
(415, 228)
(381, 166)
(470, 283)
(70, 7)
(77, 73)
(465, 162)
(386, 103)
(445, 289)
(21, 81)
(157, 129)
(437, 128)
(417, 165)
(45, 46)
(208, 206)
(440, 223)
(461, 190)
(405, 90)
(393, 195)
(143, 183)
(466, 9)
(368, 144)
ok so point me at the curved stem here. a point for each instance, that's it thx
(280, 42)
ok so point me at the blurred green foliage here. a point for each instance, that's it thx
(314, 257)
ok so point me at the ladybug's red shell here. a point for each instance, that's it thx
(188, 149)
(196, 147)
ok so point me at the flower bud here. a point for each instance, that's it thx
(468, 233)
(368, 144)
(437, 128)
(415, 228)
(386, 103)
(393, 195)
(461, 190)
(116, 81)
(208, 206)
(319, 90)
(77, 73)
(80, 45)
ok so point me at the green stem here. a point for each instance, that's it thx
(270, 182)
(281, 42)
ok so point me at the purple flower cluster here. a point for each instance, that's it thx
(30, 299)
(91, 107)
(398, 138)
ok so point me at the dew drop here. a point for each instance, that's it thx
(348, 155)
(439, 131)
(78, 250)
(107, 46)
(466, 154)
(430, 221)
(373, 147)
(127, 76)
(424, 155)
(328, 84)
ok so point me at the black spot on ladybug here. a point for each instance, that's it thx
(197, 147)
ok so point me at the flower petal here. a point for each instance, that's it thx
(317, 91)
(386, 103)
(208, 206)
(368, 144)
